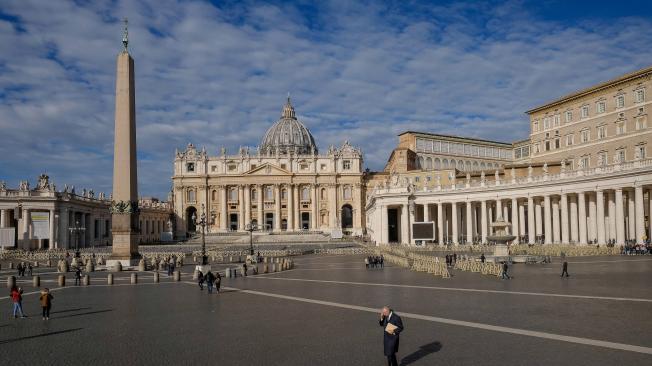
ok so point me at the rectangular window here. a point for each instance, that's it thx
(640, 95)
(568, 116)
(190, 167)
(602, 132)
(620, 101)
(546, 123)
(602, 159)
(557, 143)
(585, 162)
(620, 128)
(640, 152)
(213, 168)
(323, 166)
(585, 135)
(569, 140)
(557, 120)
(600, 107)
(232, 167)
(416, 179)
(537, 148)
(641, 123)
(585, 111)
(621, 156)
(535, 126)
(346, 165)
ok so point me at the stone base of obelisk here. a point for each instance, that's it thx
(125, 241)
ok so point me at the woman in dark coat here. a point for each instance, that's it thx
(390, 339)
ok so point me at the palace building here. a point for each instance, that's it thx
(286, 184)
(583, 176)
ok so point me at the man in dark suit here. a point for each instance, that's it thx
(390, 340)
(564, 269)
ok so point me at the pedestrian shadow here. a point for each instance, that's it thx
(67, 310)
(86, 313)
(39, 335)
(423, 351)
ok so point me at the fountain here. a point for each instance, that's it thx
(500, 237)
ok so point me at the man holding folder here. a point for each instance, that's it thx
(392, 327)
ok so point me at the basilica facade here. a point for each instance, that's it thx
(286, 184)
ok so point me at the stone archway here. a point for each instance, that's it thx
(190, 224)
(347, 217)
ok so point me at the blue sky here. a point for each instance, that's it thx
(217, 73)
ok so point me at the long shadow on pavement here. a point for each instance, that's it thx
(40, 335)
(67, 310)
(423, 351)
(86, 313)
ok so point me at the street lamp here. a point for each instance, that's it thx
(251, 228)
(202, 223)
(75, 231)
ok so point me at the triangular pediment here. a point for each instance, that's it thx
(268, 169)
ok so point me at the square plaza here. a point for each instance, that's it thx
(326, 308)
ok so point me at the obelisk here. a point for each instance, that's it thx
(124, 206)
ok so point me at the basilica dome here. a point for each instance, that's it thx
(288, 134)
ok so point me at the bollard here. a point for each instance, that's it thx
(177, 276)
(11, 281)
(227, 272)
(195, 275)
(35, 263)
(156, 279)
(11, 265)
(62, 281)
(109, 279)
(117, 267)
(265, 268)
(87, 280)
(264, 259)
(141, 265)
(134, 278)
(273, 267)
(89, 266)
(36, 281)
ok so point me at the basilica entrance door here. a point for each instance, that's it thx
(305, 220)
(269, 221)
(233, 222)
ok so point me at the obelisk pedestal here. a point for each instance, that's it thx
(124, 206)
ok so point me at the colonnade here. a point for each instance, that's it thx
(600, 216)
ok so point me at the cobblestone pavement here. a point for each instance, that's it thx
(323, 312)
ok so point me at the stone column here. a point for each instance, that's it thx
(581, 209)
(426, 212)
(564, 219)
(332, 205)
(314, 220)
(3, 218)
(531, 238)
(454, 223)
(499, 209)
(612, 215)
(556, 230)
(260, 189)
(649, 197)
(548, 220)
(277, 207)
(63, 228)
(469, 222)
(640, 214)
(521, 218)
(599, 203)
(247, 204)
(297, 208)
(538, 219)
(483, 218)
(631, 215)
(224, 221)
(573, 220)
(384, 227)
(52, 241)
(290, 206)
(241, 208)
(440, 223)
(405, 225)
(620, 218)
(592, 235)
(515, 220)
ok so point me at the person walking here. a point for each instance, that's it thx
(29, 269)
(210, 278)
(200, 280)
(392, 327)
(16, 295)
(78, 277)
(366, 262)
(504, 273)
(482, 258)
(218, 282)
(382, 261)
(244, 269)
(564, 269)
(46, 303)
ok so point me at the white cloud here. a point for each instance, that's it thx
(218, 77)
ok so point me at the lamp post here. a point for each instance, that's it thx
(251, 228)
(75, 230)
(202, 222)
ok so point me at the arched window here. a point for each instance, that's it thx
(429, 163)
(347, 217)
(437, 164)
(284, 194)
(254, 194)
(305, 194)
(421, 163)
(475, 166)
(269, 193)
(347, 193)
(467, 166)
(323, 194)
(444, 164)
(191, 195)
(214, 196)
